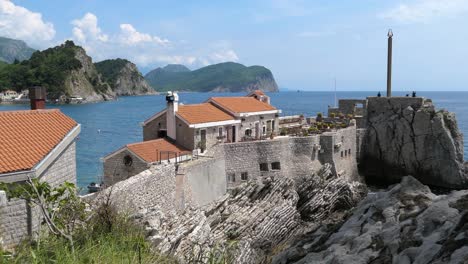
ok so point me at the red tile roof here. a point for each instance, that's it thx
(26, 137)
(257, 92)
(242, 104)
(202, 113)
(150, 151)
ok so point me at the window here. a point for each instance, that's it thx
(128, 161)
(232, 177)
(346, 153)
(349, 152)
(248, 132)
(220, 132)
(244, 176)
(342, 153)
(264, 130)
(273, 125)
(276, 165)
(263, 166)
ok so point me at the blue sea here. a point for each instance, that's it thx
(107, 126)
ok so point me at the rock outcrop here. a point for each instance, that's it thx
(407, 136)
(254, 220)
(405, 224)
(85, 82)
(123, 77)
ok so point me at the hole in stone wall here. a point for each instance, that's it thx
(276, 165)
(263, 166)
(232, 177)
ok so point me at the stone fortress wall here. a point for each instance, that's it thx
(18, 220)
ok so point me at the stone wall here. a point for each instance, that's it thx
(63, 168)
(151, 129)
(115, 169)
(297, 156)
(17, 219)
(185, 135)
(355, 107)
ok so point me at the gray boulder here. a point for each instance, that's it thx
(407, 136)
(405, 224)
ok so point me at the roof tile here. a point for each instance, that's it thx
(26, 137)
(242, 104)
(150, 151)
(202, 113)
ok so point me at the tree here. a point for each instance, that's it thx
(61, 208)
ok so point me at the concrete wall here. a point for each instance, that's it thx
(115, 169)
(206, 180)
(151, 129)
(17, 220)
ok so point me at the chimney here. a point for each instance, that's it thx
(37, 97)
(172, 99)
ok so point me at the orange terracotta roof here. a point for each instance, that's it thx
(150, 151)
(257, 92)
(242, 104)
(202, 113)
(26, 137)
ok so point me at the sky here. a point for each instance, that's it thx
(306, 44)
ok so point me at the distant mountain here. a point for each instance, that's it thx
(123, 77)
(222, 77)
(12, 49)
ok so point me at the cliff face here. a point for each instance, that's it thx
(85, 82)
(407, 136)
(262, 217)
(405, 224)
(123, 77)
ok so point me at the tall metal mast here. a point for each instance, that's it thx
(389, 63)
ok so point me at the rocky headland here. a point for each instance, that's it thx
(322, 217)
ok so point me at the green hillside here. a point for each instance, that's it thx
(12, 49)
(110, 69)
(228, 76)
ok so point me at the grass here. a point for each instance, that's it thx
(122, 243)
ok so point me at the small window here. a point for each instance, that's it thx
(244, 176)
(220, 131)
(232, 177)
(248, 132)
(263, 166)
(349, 152)
(276, 165)
(342, 153)
(346, 153)
(128, 161)
(264, 130)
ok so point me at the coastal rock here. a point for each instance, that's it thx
(123, 77)
(404, 224)
(255, 219)
(407, 136)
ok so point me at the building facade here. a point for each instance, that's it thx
(218, 120)
(34, 144)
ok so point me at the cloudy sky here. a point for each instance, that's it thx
(305, 43)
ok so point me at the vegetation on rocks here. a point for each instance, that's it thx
(77, 235)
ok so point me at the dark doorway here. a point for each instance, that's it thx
(162, 133)
(233, 133)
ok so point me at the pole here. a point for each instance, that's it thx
(335, 93)
(389, 64)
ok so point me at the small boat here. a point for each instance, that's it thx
(94, 187)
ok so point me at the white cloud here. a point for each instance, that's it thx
(130, 36)
(142, 48)
(423, 11)
(20, 23)
(86, 29)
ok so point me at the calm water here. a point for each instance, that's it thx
(109, 125)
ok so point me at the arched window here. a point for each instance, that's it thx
(248, 132)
